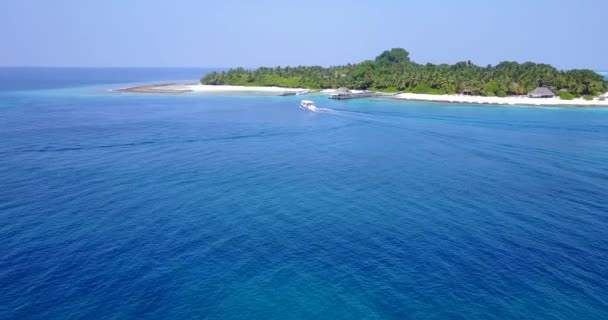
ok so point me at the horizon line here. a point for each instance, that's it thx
(113, 67)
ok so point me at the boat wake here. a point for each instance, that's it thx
(324, 110)
(383, 119)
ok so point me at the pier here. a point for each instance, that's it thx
(357, 95)
(298, 93)
(344, 93)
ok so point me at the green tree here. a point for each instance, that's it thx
(394, 69)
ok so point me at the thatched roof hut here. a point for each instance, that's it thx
(541, 92)
(343, 90)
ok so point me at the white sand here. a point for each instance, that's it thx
(522, 100)
(219, 89)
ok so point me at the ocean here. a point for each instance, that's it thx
(131, 206)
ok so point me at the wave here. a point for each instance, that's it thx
(260, 134)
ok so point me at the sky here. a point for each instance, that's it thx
(229, 33)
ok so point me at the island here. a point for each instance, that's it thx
(394, 75)
(393, 71)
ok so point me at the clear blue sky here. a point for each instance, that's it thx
(227, 33)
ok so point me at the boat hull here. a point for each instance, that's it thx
(308, 105)
(309, 108)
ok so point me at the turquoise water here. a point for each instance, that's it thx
(245, 207)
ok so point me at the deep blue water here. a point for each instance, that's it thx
(117, 206)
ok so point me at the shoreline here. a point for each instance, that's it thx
(500, 101)
(161, 88)
(174, 88)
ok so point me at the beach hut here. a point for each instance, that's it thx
(343, 90)
(341, 93)
(541, 92)
(466, 92)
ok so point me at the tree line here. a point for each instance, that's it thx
(394, 71)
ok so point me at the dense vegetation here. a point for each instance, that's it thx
(394, 71)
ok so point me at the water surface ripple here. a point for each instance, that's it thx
(178, 207)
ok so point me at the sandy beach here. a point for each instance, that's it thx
(521, 100)
(161, 88)
(173, 88)
(219, 89)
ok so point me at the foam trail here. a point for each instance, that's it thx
(359, 116)
(325, 110)
(352, 115)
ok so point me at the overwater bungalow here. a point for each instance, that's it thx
(541, 92)
(343, 90)
(341, 93)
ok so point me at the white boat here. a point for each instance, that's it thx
(308, 105)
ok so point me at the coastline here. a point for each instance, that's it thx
(173, 88)
(506, 101)
(203, 88)
(161, 88)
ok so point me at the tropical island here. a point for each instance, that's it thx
(393, 71)
(393, 75)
